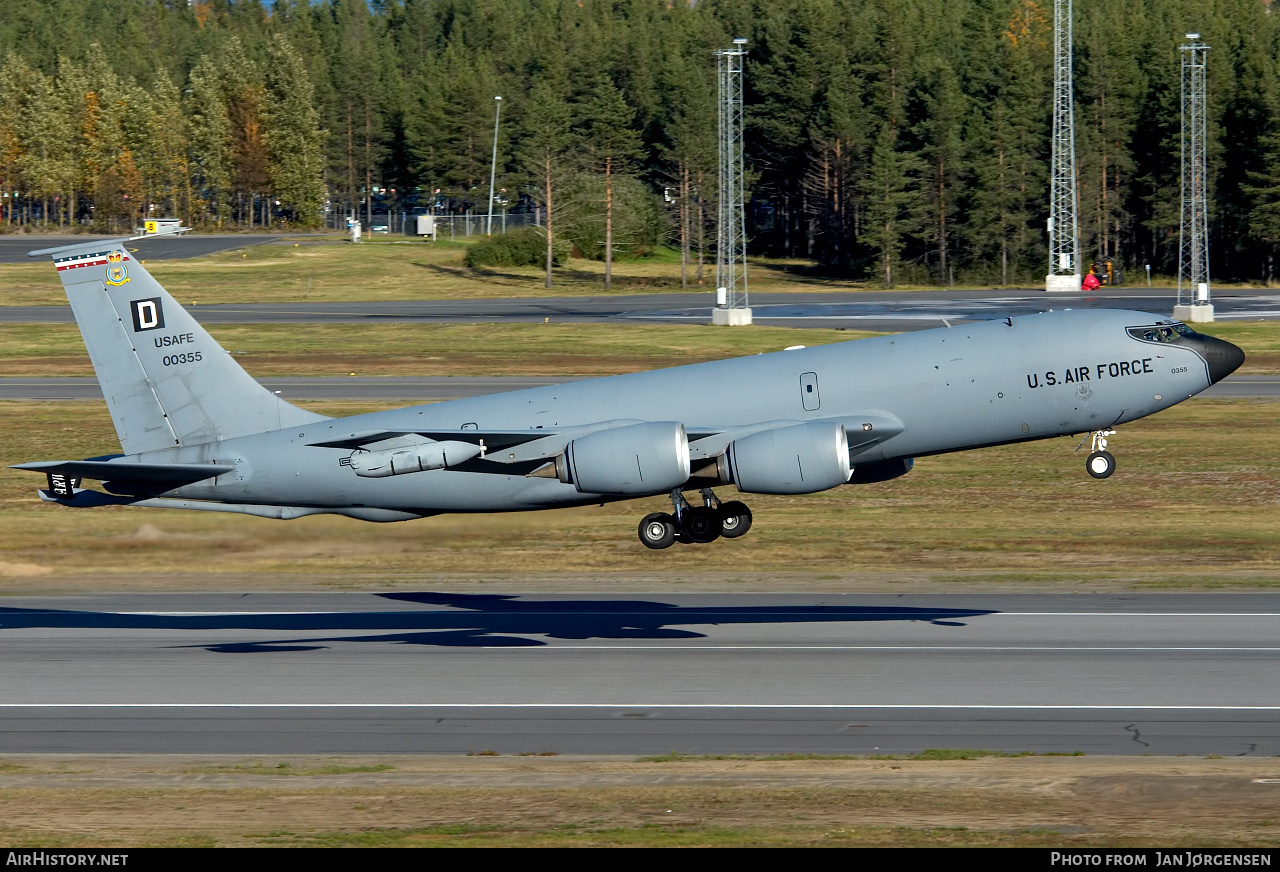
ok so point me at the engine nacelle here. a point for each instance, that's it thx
(800, 459)
(867, 473)
(415, 458)
(636, 459)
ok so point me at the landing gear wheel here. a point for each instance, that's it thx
(658, 530)
(701, 524)
(735, 519)
(1100, 464)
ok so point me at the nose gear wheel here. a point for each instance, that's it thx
(1101, 462)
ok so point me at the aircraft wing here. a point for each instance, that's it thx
(489, 438)
(502, 446)
(523, 446)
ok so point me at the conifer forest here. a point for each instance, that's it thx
(890, 140)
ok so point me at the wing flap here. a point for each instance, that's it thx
(502, 446)
(489, 438)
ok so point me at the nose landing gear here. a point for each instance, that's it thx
(1101, 462)
(695, 524)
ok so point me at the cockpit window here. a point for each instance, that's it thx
(1163, 331)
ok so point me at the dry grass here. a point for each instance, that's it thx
(318, 268)
(1195, 503)
(433, 801)
(432, 349)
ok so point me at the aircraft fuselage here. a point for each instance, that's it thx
(950, 389)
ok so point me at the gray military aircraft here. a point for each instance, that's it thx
(197, 432)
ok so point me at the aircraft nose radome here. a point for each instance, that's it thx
(1223, 358)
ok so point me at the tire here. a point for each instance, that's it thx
(735, 519)
(657, 531)
(1100, 464)
(701, 524)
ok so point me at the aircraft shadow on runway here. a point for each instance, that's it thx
(477, 620)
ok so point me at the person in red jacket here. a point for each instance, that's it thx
(1091, 282)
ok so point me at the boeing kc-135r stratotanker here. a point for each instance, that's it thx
(197, 432)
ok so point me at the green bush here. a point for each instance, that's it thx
(640, 223)
(526, 247)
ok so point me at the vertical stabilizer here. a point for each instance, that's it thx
(166, 381)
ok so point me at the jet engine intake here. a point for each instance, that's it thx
(415, 458)
(800, 459)
(647, 458)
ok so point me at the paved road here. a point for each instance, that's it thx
(860, 311)
(451, 673)
(428, 388)
(13, 249)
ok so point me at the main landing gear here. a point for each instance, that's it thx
(695, 524)
(1101, 462)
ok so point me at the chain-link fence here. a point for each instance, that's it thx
(446, 226)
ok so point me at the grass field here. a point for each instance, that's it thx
(1195, 504)
(432, 349)
(318, 268)
(537, 801)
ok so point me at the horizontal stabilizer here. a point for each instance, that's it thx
(102, 470)
(84, 498)
(96, 243)
(91, 499)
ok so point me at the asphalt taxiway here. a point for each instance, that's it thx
(456, 673)
(13, 249)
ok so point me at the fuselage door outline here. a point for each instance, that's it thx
(809, 391)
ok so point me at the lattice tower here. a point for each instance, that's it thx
(1064, 230)
(731, 228)
(1193, 237)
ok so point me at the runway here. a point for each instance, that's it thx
(887, 311)
(456, 673)
(411, 389)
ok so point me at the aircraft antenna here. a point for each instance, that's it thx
(1064, 230)
(732, 303)
(1193, 235)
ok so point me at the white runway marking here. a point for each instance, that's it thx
(943, 612)
(630, 705)
(775, 648)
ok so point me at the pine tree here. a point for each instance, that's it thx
(246, 105)
(15, 92)
(45, 158)
(690, 124)
(162, 156)
(545, 147)
(614, 147)
(294, 138)
(894, 202)
(211, 140)
(943, 153)
(1009, 150)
